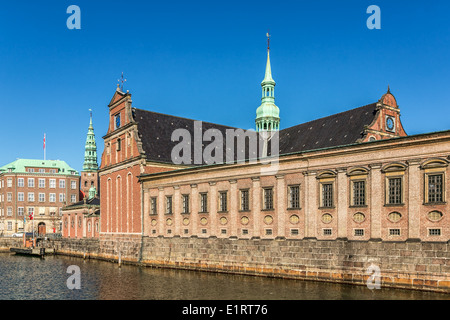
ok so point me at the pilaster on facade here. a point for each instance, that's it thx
(342, 203)
(234, 207)
(311, 203)
(256, 206)
(281, 206)
(177, 210)
(376, 202)
(414, 198)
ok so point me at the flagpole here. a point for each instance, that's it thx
(44, 146)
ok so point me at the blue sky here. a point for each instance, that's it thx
(205, 60)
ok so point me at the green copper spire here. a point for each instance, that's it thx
(90, 150)
(268, 114)
(92, 192)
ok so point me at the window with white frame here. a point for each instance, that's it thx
(73, 185)
(169, 205)
(21, 182)
(62, 197)
(73, 198)
(41, 197)
(52, 183)
(41, 183)
(327, 195)
(203, 202)
(268, 198)
(359, 192)
(294, 197)
(185, 203)
(30, 196)
(223, 201)
(245, 200)
(153, 206)
(62, 183)
(52, 197)
(30, 182)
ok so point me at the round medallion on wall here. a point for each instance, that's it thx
(268, 219)
(154, 222)
(244, 220)
(359, 217)
(327, 218)
(223, 221)
(203, 221)
(294, 219)
(435, 215)
(169, 222)
(394, 216)
(186, 221)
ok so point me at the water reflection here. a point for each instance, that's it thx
(34, 278)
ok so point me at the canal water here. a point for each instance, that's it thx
(32, 278)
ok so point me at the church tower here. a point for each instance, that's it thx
(268, 114)
(89, 175)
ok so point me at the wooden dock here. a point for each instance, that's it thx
(37, 252)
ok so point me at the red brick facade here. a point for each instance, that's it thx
(123, 161)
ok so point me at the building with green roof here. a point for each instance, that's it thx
(33, 193)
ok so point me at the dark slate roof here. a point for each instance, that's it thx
(155, 131)
(335, 130)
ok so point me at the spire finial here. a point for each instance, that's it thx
(268, 39)
(122, 81)
(389, 89)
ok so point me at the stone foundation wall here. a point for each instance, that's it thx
(411, 265)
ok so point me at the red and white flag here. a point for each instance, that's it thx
(44, 141)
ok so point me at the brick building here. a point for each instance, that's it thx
(353, 175)
(38, 188)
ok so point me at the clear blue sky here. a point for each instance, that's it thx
(205, 60)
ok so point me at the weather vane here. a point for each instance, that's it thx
(122, 80)
(268, 40)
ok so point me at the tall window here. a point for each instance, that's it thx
(435, 188)
(20, 196)
(327, 195)
(41, 183)
(52, 183)
(20, 182)
(294, 197)
(30, 196)
(223, 201)
(203, 202)
(394, 191)
(119, 144)
(168, 204)
(359, 193)
(153, 207)
(185, 198)
(117, 121)
(245, 200)
(41, 197)
(31, 182)
(62, 184)
(268, 198)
